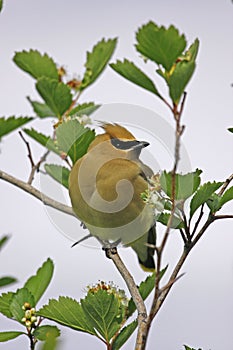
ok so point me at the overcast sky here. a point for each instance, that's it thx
(199, 310)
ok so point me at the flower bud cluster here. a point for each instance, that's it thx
(29, 315)
(153, 195)
(110, 288)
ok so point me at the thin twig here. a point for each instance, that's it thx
(219, 217)
(75, 100)
(225, 185)
(28, 148)
(186, 226)
(180, 263)
(198, 220)
(36, 193)
(34, 167)
(183, 235)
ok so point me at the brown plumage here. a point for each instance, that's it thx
(105, 188)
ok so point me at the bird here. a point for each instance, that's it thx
(105, 188)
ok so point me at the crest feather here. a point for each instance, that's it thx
(117, 131)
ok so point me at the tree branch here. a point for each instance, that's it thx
(134, 292)
(36, 193)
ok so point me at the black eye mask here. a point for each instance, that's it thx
(124, 145)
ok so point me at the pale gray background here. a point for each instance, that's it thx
(198, 312)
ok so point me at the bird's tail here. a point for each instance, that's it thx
(144, 252)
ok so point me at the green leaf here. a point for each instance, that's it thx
(1, 4)
(97, 60)
(4, 281)
(214, 203)
(44, 140)
(5, 301)
(84, 109)
(188, 348)
(124, 335)
(58, 173)
(227, 196)
(38, 283)
(202, 195)
(36, 64)
(230, 129)
(41, 109)
(186, 184)
(5, 336)
(67, 312)
(131, 72)
(12, 123)
(74, 139)
(159, 44)
(193, 50)
(56, 95)
(50, 343)
(179, 79)
(177, 223)
(104, 312)
(19, 298)
(3, 240)
(43, 332)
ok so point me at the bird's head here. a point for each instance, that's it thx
(119, 139)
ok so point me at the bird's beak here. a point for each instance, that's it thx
(140, 145)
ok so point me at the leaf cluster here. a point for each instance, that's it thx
(188, 187)
(103, 312)
(166, 48)
(15, 305)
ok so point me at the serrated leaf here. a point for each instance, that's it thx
(41, 109)
(56, 95)
(104, 311)
(179, 79)
(5, 300)
(159, 44)
(38, 283)
(97, 60)
(202, 195)
(5, 336)
(131, 72)
(43, 332)
(59, 173)
(84, 109)
(7, 125)
(67, 312)
(3, 241)
(74, 139)
(36, 64)
(186, 184)
(124, 335)
(177, 223)
(4, 281)
(44, 140)
(19, 298)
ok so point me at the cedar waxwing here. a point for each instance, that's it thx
(105, 188)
